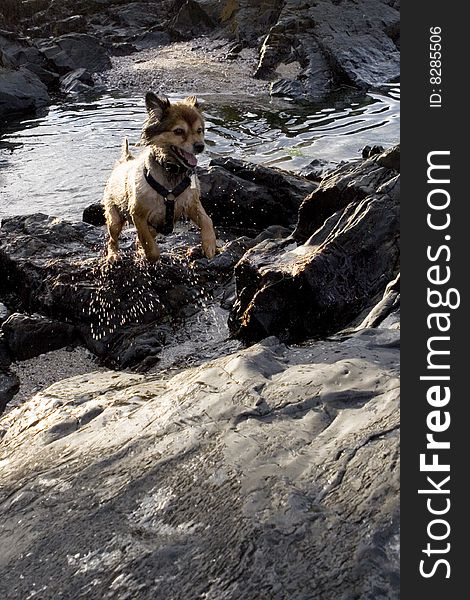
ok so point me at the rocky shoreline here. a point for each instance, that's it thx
(304, 51)
(224, 429)
(312, 260)
(286, 446)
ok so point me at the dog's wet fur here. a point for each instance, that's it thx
(172, 135)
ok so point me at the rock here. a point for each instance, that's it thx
(77, 81)
(369, 151)
(18, 52)
(9, 382)
(138, 15)
(317, 169)
(298, 290)
(190, 21)
(152, 39)
(249, 20)
(73, 24)
(5, 356)
(352, 44)
(121, 48)
(4, 313)
(389, 304)
(9, 386)
(390, 159)
(289, 88)
(21, 91)
(94, 215)
(74, 51)
(28, 336)
(124, 313)
(290, 454)
(251, 197)
(351, 182)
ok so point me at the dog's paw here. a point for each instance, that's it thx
(209, 248)
(153, 255)
(112, 257)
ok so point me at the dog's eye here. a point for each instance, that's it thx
(200, 130)
(178, 131)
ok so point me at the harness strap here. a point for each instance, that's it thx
(169, 196)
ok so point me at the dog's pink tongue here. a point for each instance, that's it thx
(190, 158)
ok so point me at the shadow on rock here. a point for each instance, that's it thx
(349, 228)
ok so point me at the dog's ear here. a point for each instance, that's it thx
(192, 101)
(156, 105)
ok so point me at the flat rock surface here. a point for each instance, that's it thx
(272, 472)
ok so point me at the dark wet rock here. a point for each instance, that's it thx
(351, 182)
(291, 454)
(190, 21)
(337, 44)
(124, 313)
(290, 88)
(121, 48)
(9, 382)
(5, 356)
(248, 20)
(317, 169)
(233, 51)
(76, 81)
(152, 39)
(73, 24)
(9, 386)
(31, 335)
(369, 151)
(94, 215)
(338, 262)
(340, 46)
(21, 91)
(251, 197)
(74, 51)
(138, 14)
(16, 52)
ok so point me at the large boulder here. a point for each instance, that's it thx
(124, 313)
(9, 386)
(190, 21)
(351, 182)
(76, 81)
(138, 14)
(20, 91)
(273, 472)
(338, 44)
(252, 197)
(30, 335)
(74, 51)
(18, 52)
(299, 288)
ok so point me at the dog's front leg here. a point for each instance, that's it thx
(198, 215)
(146, 239)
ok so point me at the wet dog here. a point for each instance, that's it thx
(156, 188)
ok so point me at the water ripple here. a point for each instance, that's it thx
(58, 163)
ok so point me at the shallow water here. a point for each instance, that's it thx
(58, 163)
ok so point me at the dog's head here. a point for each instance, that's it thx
(176, 129)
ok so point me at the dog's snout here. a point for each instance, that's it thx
(198, 147)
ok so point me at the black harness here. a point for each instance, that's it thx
(169, 196)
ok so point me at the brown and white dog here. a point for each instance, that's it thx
(141, 189)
